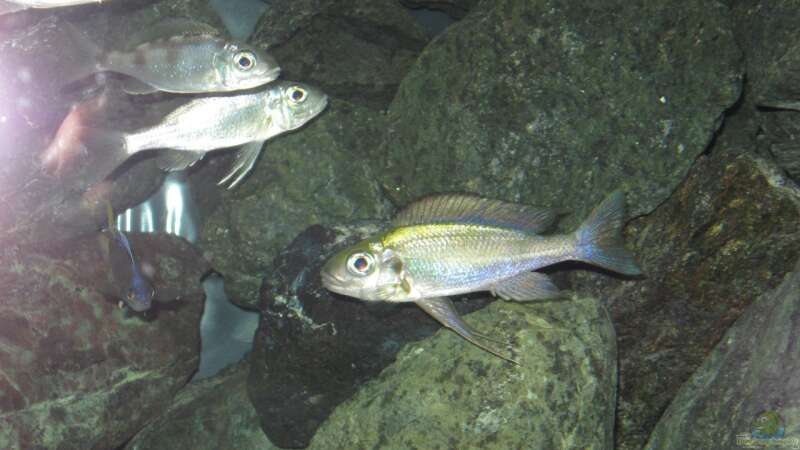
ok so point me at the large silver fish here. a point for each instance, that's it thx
(456, 244)
(210, 123)
(9, 6)
(180, 56)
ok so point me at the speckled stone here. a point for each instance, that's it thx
(559, 103)
(78, 372)
(444, 393)
(753, 369)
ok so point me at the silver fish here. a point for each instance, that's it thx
(9, 6)
(179, 56)
(457, 244)
(217, 122)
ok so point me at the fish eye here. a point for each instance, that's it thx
(245, 60)
(360, 264)
(296, 94)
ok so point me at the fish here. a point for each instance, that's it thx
(139, 294)
(454, 244)
(178, 56)
(9, 6)
(65, 148)
(216, 122)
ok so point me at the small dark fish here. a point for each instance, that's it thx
(139, 295)
(457, 244)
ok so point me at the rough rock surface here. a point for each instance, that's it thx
(212, 414)
(77, 372)
(555, 103)
(727, 234)
(753, 370)
(314, 349)
(444, 393)
(353, 50)
(453, 8)
(318, 175)
(767, 33)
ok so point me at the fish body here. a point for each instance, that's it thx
(9, 6)
(210, 123)
(457, 244)
(179, 56)
(139, 292)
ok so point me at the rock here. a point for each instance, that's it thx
(211, 414)
(314, 349)
(727, 234)
(444, 393)
(320, 174)
(354, 50)
(751, 373)
(557, 103)
(78, 372)
(767, 35)
(454, 8)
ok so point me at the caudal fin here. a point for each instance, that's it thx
(85, 56)
(600, 237)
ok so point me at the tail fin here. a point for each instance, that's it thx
(86, 57)
(600, 237)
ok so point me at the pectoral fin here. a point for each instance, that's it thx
(246, 158)
(442, 309)
(526, 287)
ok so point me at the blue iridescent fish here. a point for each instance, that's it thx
(139, 295)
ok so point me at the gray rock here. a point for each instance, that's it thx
(320, 174)
(727, 234)
(211, 414)
(751, 371)
(78, 372)
(353, 50)
(558, 103)
(444, 393)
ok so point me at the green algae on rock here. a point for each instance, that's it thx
(442, 393)
(555, 103)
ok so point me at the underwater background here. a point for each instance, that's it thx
(160, 297)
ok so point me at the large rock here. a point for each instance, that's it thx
(354, 50)
(212, 414)
(445, 393)
(320, 174)
(751, 374)
(314, 349)
(767, 33)
(558, 103)
(78, 372)
(727, 234)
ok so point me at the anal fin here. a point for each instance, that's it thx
(526, 287)
(442, 309)
(132, 86)
(173, 160)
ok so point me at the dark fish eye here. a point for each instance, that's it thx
(245, 60)
(297, 95)
(360, 263)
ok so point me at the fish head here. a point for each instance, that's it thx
(366, 271)
(243, 67)
(293, 104)
(140, 295)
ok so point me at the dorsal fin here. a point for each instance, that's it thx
(171, 27)
(466, 208)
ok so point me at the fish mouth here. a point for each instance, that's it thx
(333, 283)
